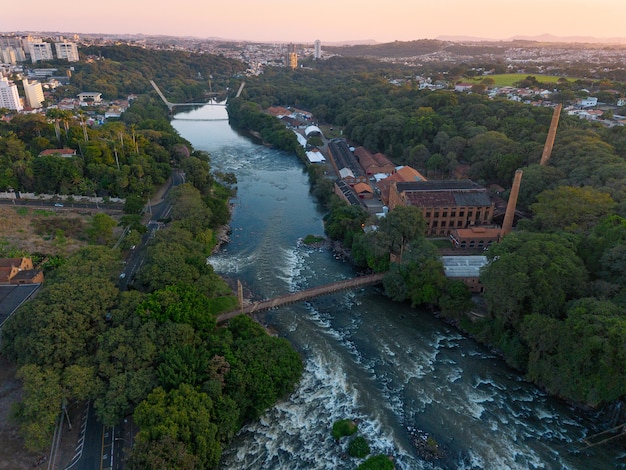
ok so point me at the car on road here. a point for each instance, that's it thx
(122, 276)
(58, 204)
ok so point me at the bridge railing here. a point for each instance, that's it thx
(307, 294)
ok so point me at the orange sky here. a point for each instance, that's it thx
(327, 20)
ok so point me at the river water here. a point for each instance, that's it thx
(392, 368)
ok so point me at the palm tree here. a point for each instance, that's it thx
(55, 115)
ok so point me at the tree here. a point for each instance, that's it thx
(263, 368)
(570, 208)
(100, 229)
(580, 358)
(181, 415)
(403, 225)
(531, 273)
(41, 405)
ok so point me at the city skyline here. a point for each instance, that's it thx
(330, 21)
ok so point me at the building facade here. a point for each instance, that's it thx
(291, 58)
(445, 205)
(318, 49)
(9, 97)
(40, 51)
(33, 93)
(67, 51)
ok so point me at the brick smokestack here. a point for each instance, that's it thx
(547, 148)
(507, 225)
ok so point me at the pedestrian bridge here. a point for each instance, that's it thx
(171, 105)
(301, 296)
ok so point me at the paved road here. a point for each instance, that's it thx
(11, 297)
(56, 205)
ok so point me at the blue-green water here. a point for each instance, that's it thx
(391, 367)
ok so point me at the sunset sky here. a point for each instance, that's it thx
(327, 20)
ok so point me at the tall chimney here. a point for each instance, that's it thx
(547, 148)
(507, 225)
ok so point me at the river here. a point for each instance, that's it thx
(392, 368)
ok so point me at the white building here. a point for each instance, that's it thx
(89, 97)
(40, 51)
(34, 93)
(589, 102)
(9, 97)
(67, 50)
(318, 49)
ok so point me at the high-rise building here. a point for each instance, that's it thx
(9, 97)
(291, 58)
(67, 50)
(8, 56)
(33, 93)
(318, 49)
(40, 51)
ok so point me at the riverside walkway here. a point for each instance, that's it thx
(286, 299)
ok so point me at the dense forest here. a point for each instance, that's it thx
(117, 71)
(555, 290)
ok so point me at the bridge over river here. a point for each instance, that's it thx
(171, 105)
(286, 299)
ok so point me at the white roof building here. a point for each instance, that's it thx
(315, 156)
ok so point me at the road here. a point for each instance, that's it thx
(104, 446)
(56, 205)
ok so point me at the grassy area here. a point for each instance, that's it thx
(508, 79)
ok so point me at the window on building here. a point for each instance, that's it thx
(462, 214)
(453, 214)
(437, 214)
(435, 223)
(445, 214)
(443, 223)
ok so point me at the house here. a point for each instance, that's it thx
(346, 193)
(402, 174)
(19, 271)
(588, 102)
(89, 97)
(63, 153)
(364, 190)
(463, 87)
(372, 164)
(445, 205)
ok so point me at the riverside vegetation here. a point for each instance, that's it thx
(554, 288)
(156, 351)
